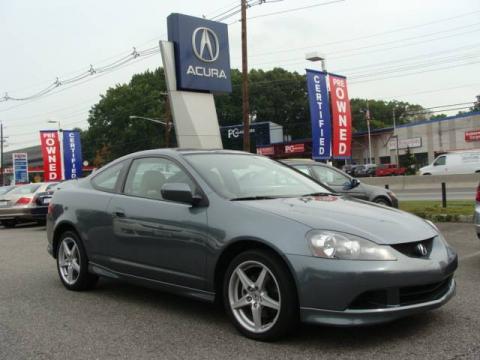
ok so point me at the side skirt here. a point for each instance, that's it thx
(155, 284)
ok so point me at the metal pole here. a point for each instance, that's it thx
(396, 136)
(168, 123)
(444, 195)
(369, 137)
(245, 103)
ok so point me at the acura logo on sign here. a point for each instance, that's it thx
(205, 44)
(421, 250)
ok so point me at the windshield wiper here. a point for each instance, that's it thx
(254, 198)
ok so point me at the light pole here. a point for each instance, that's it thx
(167, 125)
(316, 56)
(395, 135)
(55, 122)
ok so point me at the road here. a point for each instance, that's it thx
(436, 194)
(39, 319)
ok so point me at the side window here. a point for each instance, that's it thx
(147, 176)
(303, 169)
(330, 176)
(440, 161)
(107, 179)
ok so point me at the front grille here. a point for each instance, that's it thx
(411, 249)
(403, 296)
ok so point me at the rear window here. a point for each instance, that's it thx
(25, 189)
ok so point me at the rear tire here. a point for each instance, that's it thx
(72, 263)
(260, 296)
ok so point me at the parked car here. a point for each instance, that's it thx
(5, 189)
(366, 170)
(477, 212)
(274, 245)
(458, 162)
(389, 170)
(25, 203)
(343, 183)
(350, 168)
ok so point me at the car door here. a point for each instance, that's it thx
(154, 238)
(440, 165)
(338, 181)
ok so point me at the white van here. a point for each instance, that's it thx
(458, 162)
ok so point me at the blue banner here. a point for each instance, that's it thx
(319, 114)
(72, 154)
(20, 168)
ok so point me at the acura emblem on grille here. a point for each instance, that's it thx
(421, 250)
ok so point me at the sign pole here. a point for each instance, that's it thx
(245, 100)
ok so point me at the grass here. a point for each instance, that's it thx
(456, 210)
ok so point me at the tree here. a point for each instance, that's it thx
(112, 132)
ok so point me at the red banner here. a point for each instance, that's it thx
(341, 117)
(52, 158)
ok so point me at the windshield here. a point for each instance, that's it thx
(25, 189)
(237, 176)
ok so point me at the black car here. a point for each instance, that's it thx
(343, 183)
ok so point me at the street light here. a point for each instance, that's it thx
(316, 56)
(167, 125)
(55, 122)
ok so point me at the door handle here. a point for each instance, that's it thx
(119, 213)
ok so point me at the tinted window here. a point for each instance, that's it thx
(238, 175)
(147, 176)
(107, 179)
(330, 176)
(302, 168)
(440, 161)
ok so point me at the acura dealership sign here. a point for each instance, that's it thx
(202, 57)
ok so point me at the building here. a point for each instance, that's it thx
(425, 139)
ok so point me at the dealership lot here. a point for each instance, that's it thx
(39, 319)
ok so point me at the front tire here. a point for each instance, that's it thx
(259, 296)
(72, 263)
(382, 201)
(9, 224)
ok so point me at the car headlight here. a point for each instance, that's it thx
(336, 245)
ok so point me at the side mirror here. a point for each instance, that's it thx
(179, 192)
(354, 183)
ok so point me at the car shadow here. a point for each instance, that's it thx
(324, 337)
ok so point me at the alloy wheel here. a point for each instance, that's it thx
(69, 260)
(254, 296)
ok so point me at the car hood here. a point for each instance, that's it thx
(383, 225)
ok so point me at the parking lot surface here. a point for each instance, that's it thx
(40, 319)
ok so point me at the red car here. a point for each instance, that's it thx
(389, 170)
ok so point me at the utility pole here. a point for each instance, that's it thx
(367, 116)
(245, 102)
(396, 135)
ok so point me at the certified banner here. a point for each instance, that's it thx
(341, 117)
(52, 158)
(72, 154)
(20, 168)
(319, 114)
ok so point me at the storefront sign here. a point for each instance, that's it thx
(405, 143)
(294, 148)
(472, 135)
(72, 154)
(52, 159)
(268, 150)
(202, 56)
(319, 114)
(341, 117)
(20, 168)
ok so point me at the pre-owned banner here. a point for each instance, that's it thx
(319, 114)
(341, 117)
(72, 154)
(52, 158)
(20, 168)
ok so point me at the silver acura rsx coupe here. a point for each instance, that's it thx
(273, 245)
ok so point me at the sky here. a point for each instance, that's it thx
(421, 51)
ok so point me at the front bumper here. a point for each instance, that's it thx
(23, 213)
(343, 292)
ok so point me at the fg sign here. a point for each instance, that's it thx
(202, 58)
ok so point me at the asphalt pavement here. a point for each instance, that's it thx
(40, 319)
